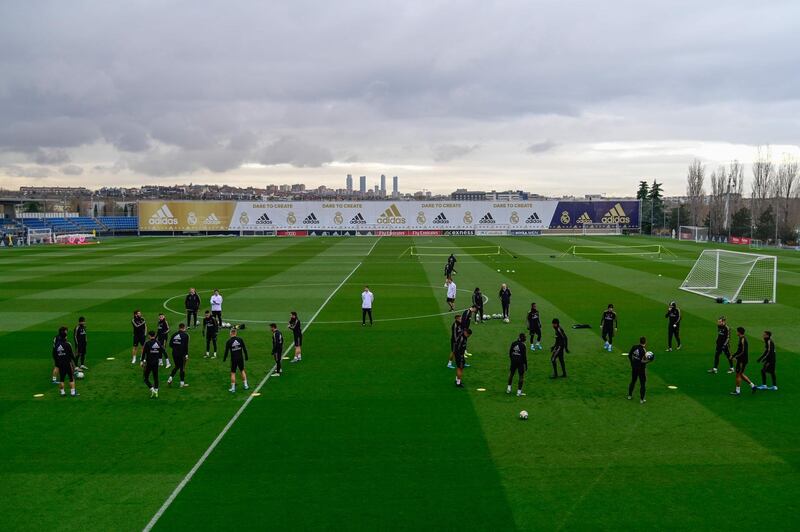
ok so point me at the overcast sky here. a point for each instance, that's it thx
(556, 97)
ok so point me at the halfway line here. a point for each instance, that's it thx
(238, 413)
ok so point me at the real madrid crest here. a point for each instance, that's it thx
(191, 218)
(244, 219)
(291, 219)
(338, 219)
(468, 217)
(565, 218)
(421, 218)
(514, 217)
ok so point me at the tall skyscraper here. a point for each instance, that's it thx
(349, 184)
(395, 191)
(362, 185)
(383, 185)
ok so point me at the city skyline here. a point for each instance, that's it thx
(260, 93)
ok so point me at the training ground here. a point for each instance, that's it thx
(369, 432)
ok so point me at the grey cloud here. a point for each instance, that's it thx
(14, 170)
(289, 150)
(52, 156)
(72, 169)
(447, 152)
(541, 147)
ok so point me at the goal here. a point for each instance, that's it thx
(601, 229)
(39, 236)
(75, 239)
(437, 251)
(734, 276)
(609, 250)
(693, 232)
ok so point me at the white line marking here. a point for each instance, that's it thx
(238, 413)
(373, 246)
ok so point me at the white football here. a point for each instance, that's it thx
(487, 317)
(523, 415)
(79, 374)
(649, 355)
(506, 320)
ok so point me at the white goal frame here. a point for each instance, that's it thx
(39, 236)
(601, 229)
(439, 251)
(698, 233)
(615, 250)
(76, 238)
(714, 287)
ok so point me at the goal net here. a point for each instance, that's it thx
(609, 250)
(39, 236)
(734, 276)
(437, 251)
(76, 239)
(601, 229)
(693, 232)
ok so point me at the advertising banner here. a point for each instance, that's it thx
(459, 232)
(332, 233)
(575, 214)
(525, 232)
(741, 240)
(292, 233)
(185, 215)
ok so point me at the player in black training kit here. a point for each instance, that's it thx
(535, 327)
(455, 333)
(505, 300)
(609, 325)
(450, 267)
(161, 336)
(638, 358)
(519, 363)
(180, 354)
(79, 337)
(64, 360)
(139, 334)
(741, 356)
(477, 302)
(210, 331)
(673, 316)
(297, 331)
(192, 304)
(723, 345)
(238, 351)
(466, 317)
(151, 357)
(558, 349)
(460, 353)
(277, 348)
(768, 359)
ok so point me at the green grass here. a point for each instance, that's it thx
(368, 432)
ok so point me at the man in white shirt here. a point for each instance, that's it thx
(367, 298)
(216, 307)
(451, 294)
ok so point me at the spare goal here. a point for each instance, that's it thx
(591, 228)
(39, 236)
(734, 276)
(439, 251)
(693, 232)
(605, 250)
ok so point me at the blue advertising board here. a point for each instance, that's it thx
(575, 214)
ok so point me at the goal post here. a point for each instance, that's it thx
(76, 238)
(438, 251)
(39, 236)
(693, 233)
(615, 250)
(734, 276)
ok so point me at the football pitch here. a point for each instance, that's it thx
(369, 432)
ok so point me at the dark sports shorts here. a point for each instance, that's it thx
(179, 360)
(138, 340)
(461, 360)
(451, 299)
(740, 366)
(64, 371)
(517, 367)
(723, 349)
(298, 341)
(237, 362)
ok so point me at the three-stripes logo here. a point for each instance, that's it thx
(533, 219)
(487, 219)
(311, 219)
(358, 219)
(163, 216)
(616, 215)
(441, 219)
(263, 220)
(391, 216)
(212, 219)
(584, 218)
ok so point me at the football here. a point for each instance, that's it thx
(78, 374)
(506, 320)
(649, 356)
(523, 415)
(487, 317)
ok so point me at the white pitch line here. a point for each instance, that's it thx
(373, 246)
(182, 484)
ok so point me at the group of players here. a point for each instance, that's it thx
(638, 355)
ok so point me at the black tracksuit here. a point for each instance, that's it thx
(477, 302)
(210, 331)
(192, 304)
(768, 359)
(723, 345)
(638, 370)
(673, 326)
(79, 335)
(466, 318)
(460, 350)
(455, 332)
(535, 325)
(608, 323)
(63, 358)
(238, 351)
(297, 331)
(139, 330)
(742, 355)
(558, 350)
(162, 333)
(505, 301)
(277, 349)
(152, 352)
(518, 356)
(180, 352)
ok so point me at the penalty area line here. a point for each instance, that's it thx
(182, 484)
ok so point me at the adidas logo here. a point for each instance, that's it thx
(487, 219)
(212, 219)
(533, 219)
(163, 216)
(358, 219)
(441, 219)
(311, 219)
(263, 220)
(391, 216)
(616, 215)
(584, 218)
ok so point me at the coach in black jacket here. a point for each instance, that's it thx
(192, 304)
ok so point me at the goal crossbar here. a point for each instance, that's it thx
(734, 276)
(438, 251)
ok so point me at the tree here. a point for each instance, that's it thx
(656, 204)
(695, 180)
(678, 216)
(763, 172)
(785, 186)
(643, 191)
(716, 211)
(765, 228)
(31, 206)
(642, 195)
(741, 222)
